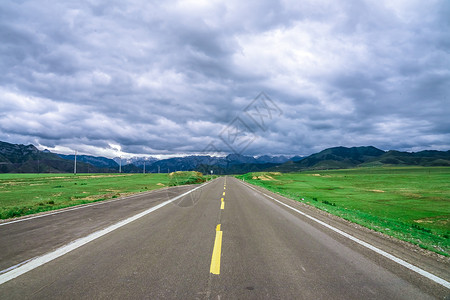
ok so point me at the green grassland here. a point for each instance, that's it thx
(24, 194)
(409, 203)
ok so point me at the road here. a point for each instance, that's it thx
(225, 240)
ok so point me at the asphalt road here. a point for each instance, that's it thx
(246, 246)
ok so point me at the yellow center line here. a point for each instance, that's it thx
(215, 259)
(222, 205)
(223, 193)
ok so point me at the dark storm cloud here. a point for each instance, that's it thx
(141, 77)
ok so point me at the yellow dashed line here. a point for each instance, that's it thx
(215, 259)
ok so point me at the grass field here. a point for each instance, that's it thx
(24, 194)
(410, 203)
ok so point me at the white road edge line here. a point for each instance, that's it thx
(418, 270)
(40, 260)
(63, 210)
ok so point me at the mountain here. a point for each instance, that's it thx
(187, 163)
(236, 168)
(272, 159)
(231, 164)
(131, 168)
(343, 157)
(137, 161)
(221, 165)
(28, 159)
(100, 162)
(297, 158)
(239, 159)
(422, 158)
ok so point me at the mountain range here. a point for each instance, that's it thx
(344, 158)
(16, 158)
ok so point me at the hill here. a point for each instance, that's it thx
(344, 158)
(422, 158)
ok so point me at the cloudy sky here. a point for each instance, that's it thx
(176, 77)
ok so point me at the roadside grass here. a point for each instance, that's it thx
(409, 203)
(24, 194)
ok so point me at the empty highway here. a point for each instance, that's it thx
(222, 240)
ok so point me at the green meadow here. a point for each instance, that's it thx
(409, 203)
(24, 194)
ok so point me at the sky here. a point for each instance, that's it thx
(166, 78)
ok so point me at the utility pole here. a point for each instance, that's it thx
(75, 164)
(120, 164)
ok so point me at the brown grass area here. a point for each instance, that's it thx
(439, 220)
(412, 195)
(96, 197)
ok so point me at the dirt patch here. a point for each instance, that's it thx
(275, 173)
(444, 222)
(423, 221)
(438, 220)
(412, 195)
(266, 177)
(377, 191)
(160, 184)
(96, 197)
